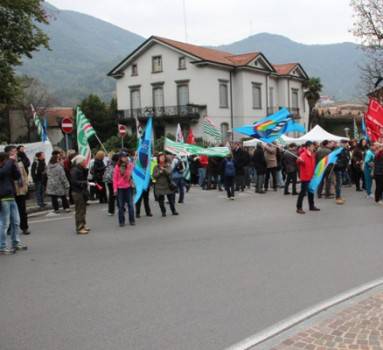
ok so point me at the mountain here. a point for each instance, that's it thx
(336, 64)
(83, 50)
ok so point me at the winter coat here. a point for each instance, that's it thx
(378, 167)
(259, 161)
(9, 173)
(58, 184)
(241, 159)
(321, 153)
(39, 171)
(343, 161)
(79, 179)
(98, 170)
(306, 163)
(289, 162)
(357, 158)
(163, 180)
(24, 158)
(122, 181)
(271, 156)
(21, 186)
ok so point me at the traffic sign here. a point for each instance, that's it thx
(67, 126)
(122, 130)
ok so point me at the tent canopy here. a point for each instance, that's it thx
(317, 134)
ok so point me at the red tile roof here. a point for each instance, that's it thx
(284, 69)
(242, 60)
(56, 114)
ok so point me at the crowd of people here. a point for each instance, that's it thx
(68, 179)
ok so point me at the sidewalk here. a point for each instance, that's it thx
(356, 324)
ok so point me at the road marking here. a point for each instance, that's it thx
(288, 323)
(50, 220)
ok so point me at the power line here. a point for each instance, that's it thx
(185, 20)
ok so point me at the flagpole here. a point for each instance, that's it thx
(102, 145)
(284, 150)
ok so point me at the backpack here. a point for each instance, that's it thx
(229, 168)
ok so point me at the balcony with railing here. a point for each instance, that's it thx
(294, 111)
(186, 112)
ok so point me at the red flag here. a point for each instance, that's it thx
(374, 120)
(190, 140)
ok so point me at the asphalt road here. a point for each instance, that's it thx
(206, 279)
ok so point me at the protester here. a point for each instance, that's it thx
(306, 165)
(9, 214)
(260, 166)
(323, 151)
(39, 177)
(67, 167)
(58, 185)
(202, 169)
(177, 176)
(21, 196)
(356, 165)
(108, 180)
(340, 168)
(271, 162)
(289, 161)
(229, 172)
(123, 188)
(98, 175)
(241, 160)
(378, 175)
(163, 185)
(22, 157)
(368, 169)
(79, 184)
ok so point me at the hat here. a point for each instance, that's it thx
(308, 143)
(123, 154)
(78, 160)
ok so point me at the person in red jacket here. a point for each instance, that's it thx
(306, 164)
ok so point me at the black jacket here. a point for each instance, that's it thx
(98, 170)
(343, 161)
(39, 171)
(241, 159)
(259, 161)
(289, 163)
(79, 179)
(25, 160)
(9, 173)
(378, 164)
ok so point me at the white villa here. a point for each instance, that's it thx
(181, 83)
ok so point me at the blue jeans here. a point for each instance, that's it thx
(125, 197)
(201, 176)
(367, 180)
(9, 218)
(180, 188)
(338, 183)
(39, 192)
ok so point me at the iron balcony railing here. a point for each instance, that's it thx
(294, 111)
(185, 111)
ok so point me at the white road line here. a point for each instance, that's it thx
(284, 325)
(50, 220)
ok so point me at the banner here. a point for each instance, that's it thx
(84, 132)
(374, 121)
(184, 149)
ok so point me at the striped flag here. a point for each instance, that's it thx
(39, 125)
(210, 129)
(84, 125)
(179, 134)
(356, 130)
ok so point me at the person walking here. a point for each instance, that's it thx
(289, 160)
(271, 162)
(241, 160)
(98, 176)
(163, 184)
(368, 162)
(323, 151)
(39, 177)
(178, 178)
(108, 180)
(57, 185)
(306, 164)
(9, 214)
(123, 188)
(378, 175)
(260, 167)
(229, 171)
(357, 166)
(79, 184)
(21, 188)
(22, 157)
(340, 168)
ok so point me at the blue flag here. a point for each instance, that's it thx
(364, 130)
(321, 168)
(272, 127)
(141, 171)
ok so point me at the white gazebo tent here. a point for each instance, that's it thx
(317, 134)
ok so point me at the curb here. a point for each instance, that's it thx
(280, 327)
(33, 210)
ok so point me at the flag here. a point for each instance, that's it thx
(210, 129)
(44, 136)
(321, 168)
(39, 126)
(184, 149)
(272, 127)
(141, 171)
(190, 140)
(374, 120)
(186, 174)
(83, 123)
(364, 130)
(138, 128)
(356, 131)
(84, 132)
(179, 134)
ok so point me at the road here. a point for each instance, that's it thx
(206, 279)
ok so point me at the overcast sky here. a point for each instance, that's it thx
(217, 22)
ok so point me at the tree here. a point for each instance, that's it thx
(368, 28)
(20, 36)
(313, 88)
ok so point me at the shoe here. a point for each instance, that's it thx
(340, 201)
(7, 251)
(295, 193)
(232, 198)
(20, 246)
(110, 214)
(300, 211)
(359, 190)
(149, 214)
(287, 193)
(132, 223)
(163, 215)
(67, 210)
(53, 214)
(138, 216)
(122, 225)
(26, 232)
(314, 209)
(379, 203)
(175, 213)
(87, 229)
(82, 232)
(329, 196)
(181, 202)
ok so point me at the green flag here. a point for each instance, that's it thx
(184, 149)
(210, 129)
(84, 132)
